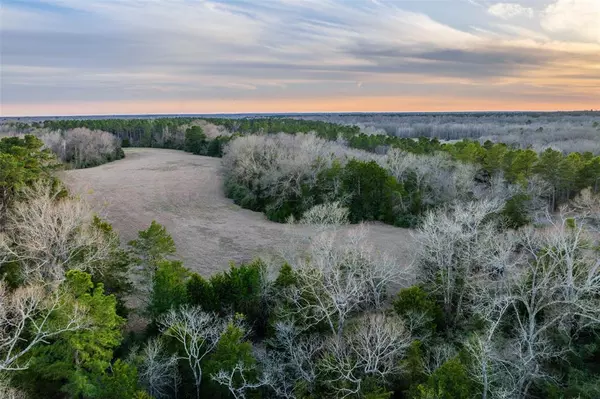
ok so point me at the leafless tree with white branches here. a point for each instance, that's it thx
(326, 216)
(587, 205)
(158, 371)
(373, 347)
(458, 247)
(551, 290)
(81, 146)
(49, 235)
(556, 291)
(293, 359)
(340, 275)
(236, 380)
(197, 331)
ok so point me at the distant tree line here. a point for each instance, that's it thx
(563, 131)
(379, 187)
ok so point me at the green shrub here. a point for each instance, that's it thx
(515, 211)
(195, 140)
(450, 381)
(168, 288)
(415, 301)
(200, 292)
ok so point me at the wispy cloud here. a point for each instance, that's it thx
(510, 10)
(65, 52)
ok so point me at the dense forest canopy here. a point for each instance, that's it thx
(502, 300)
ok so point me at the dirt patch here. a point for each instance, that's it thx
(184, 193)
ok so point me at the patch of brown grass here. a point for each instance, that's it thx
(184, 193)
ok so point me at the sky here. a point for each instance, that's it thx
(83, 57)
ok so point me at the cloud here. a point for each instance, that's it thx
(510, 10)
(579, 19)
(70, 51)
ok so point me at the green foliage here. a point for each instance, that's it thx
(415, 302)
(153, 244)
(195, 140)
(74, 362)
(231, 350)
(239, 290)
(168, 288)
(200, 292)
(286, 277)
(371, 389)
(365, 187)
(22, 162)
(115, 271)
(515, 211)
(450, 381)
(371, 190)
(215, 147)
(121, 382)
(142, 395)
(413, 367)
(580, 369)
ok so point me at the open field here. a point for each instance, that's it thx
(184, 193)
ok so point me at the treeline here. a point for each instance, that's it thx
(170, 132)
(565, 174)
(83, 148)
(285, 175)
(390, 195)
(564, 131)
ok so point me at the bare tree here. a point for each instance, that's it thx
(82, 147)
(157, 371)
(210, 130)
(340, 274)
(293, 359)
(439, 178)
(556, 291)
(48, 235)
(327, 215)
(587, 204)
(25, 321)
(551, 290)
(236, 380)
(197, 331)
(458, 244)
(373, 347)
(281, 165)
(379, 341)
(497, 377)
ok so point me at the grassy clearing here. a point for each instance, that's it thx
(184, 193)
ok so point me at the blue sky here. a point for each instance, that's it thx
(164, 56)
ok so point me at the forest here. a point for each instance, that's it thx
(565, 131)
(501, 301)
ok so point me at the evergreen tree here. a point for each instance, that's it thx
(75, 362)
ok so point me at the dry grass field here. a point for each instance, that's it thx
(184, 193)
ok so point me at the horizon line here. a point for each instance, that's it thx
(295, 113)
